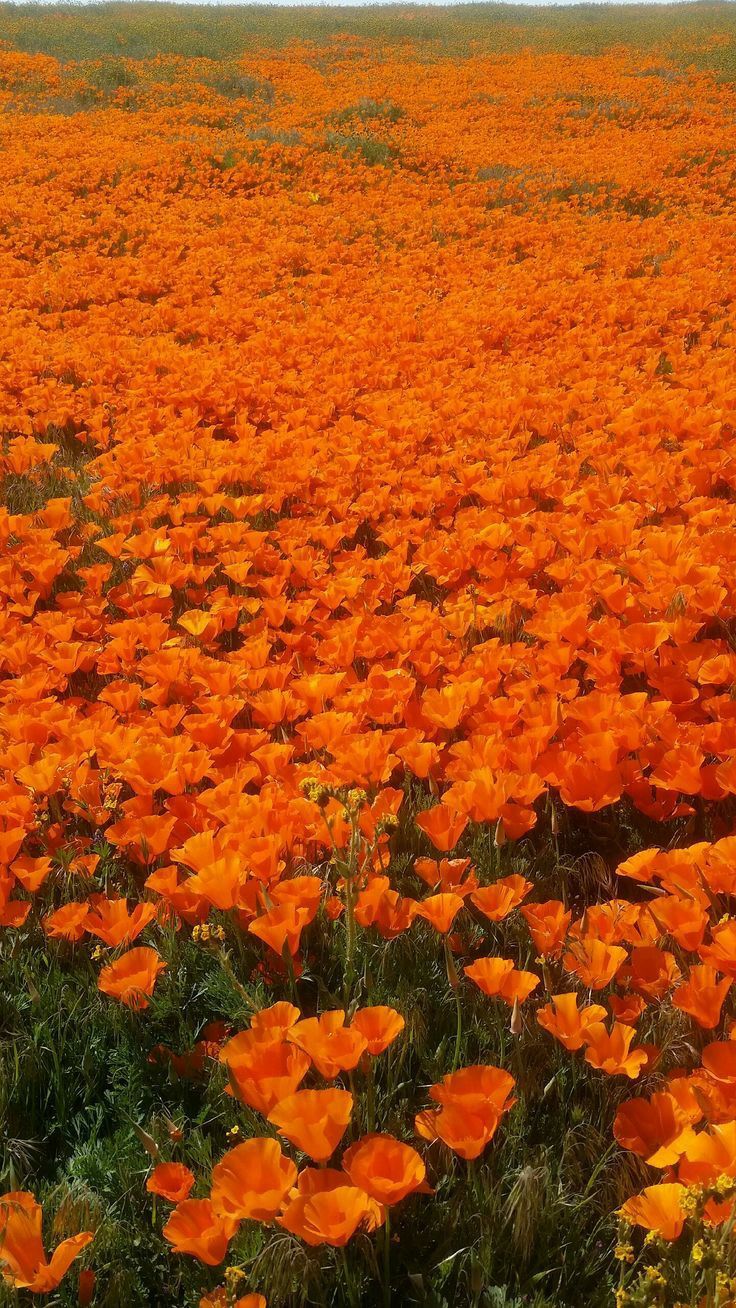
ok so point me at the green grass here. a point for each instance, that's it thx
(142, 31)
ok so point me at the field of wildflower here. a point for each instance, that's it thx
(367, 658)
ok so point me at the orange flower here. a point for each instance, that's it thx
(498, 900)
(171, 1180)
(67, 923)
(611, 1051)
(132, 977)
(196, 1228)
(595, 962)
(568, 1023)
(282, 926)
(548, 924)
(440, 911)
(314, 1120)
(378, 1026)
(702, 995)
(658, 1208)
(263, 1071)
(110, 920)
(331, 1216)
(252, 1180)
(384, 1167)
(473, 1101)
(23, 1262)
(332, 1047)
(498, 976)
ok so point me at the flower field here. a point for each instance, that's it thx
(368, 666)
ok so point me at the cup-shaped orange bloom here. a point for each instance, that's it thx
(440, 910)
(111, 922)
(650, 971)
(473, 1101)
(384, 1167)
(568, 1023)
(276, 1020)
(654, 1128)
(498, 900)
(331, 1216)
(252, 1180)
(595, 962)
(332, 1047)
(263, 1071)
(702, 995)
(314, 1120)
(706, 1155)
(443, 826)
(23, 1261)
(719, 1061)
(195, 1227)
(172, 1181)
(67, 923)
(132, 977)
(658, 1208)
(611, 1050)
(379, 1027)
(282, 926)
(548, 924)
(498, 976)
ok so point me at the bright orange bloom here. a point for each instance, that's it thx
(132, 977)
(332, 1047)
(595, 962)
(440, 911)
(498, 900)
(498, 976)
(702, 995)
(653, 1128)
(67, 923)
(314, 1120)
(263, 1071)
(195, 1228)
(548, 924)
(658, 1208)
(384, 1167)
(611, 1050)
(111, 922)
(252, 1180)
(378, 1026)
(23, 1262)
(473, 1101)
(568, 1023)
(171, 1180)
(331, 1216)
(282, 926)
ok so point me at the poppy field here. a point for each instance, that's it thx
(368, 659)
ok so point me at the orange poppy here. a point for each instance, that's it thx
(568, 1023)
(132, 977)
(172, 1181)
(314, 1120)
(384, 1167)
(252, 1180)
(196, 1228)
(658, 1208)
(23, 1262)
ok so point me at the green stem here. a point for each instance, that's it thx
(348, 1280)
(387, 1261)
(452, 978)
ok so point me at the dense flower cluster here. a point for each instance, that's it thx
(369, 505)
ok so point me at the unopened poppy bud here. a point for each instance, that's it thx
(515, 1024)
(499, 838)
